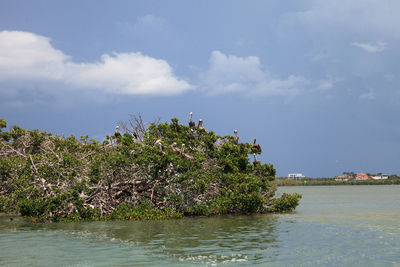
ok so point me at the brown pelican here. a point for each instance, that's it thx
(136, 137)
(255, 162)
(200, 125)
(191, 122)
(236, 138)
(192, 135)
(255, 145)
(117, 133)
(174, 148)
(158, 140)
(183, 149)
(186, 156)
(160, 149)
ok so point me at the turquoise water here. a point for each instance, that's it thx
(333, 226)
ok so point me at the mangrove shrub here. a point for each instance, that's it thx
(167, 170)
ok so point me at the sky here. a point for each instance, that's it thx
(315, 81)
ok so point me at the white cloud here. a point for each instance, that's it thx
(127, 73)
(29, 56)
(379, 46)
(328, 83)
(357, 16)
(388, 77)
(370, 95)
(246, 75)
(147, 27)
(29, 60)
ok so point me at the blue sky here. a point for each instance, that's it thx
(317, 82)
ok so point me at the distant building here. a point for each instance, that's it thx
(296, 176)
(362, 176)
(380, 177)
(342, 178)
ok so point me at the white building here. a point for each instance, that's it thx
(342, 178)
(380, 177)
(295, 176)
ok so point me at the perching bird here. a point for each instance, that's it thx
(191, 122)
(236, 138)
(174, 148)
(160, 149)
(183, 149)
(158, 140)
(255, 162)
(117, 133)
(186, 156)
(137, 138)
(255, 145)
(200, 125)
(192, 134)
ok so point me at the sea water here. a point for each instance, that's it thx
(333, 226)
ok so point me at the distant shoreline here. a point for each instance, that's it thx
(280, 181)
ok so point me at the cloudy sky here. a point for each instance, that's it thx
(317, 82)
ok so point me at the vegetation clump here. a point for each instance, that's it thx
(165, 170)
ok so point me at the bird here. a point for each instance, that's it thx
(200, 125)
(117, 133)
(160, 148)
(186, 156)
(137, 138)
(255, 145)
(183, 149)
(191, 122)
(255, 162)
(158, 140)
(174, 148)
(192, 134)
(236, 138)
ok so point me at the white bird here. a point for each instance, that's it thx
(236, 138)
(255, 162)
(117, 133)
(191, 122)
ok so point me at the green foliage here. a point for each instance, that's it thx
(4, 136)
(3, 124)
(89, 213)
(143, 211)
(285, 203)
(64, 179)
(32, 207)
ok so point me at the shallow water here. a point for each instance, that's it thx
(333, 226)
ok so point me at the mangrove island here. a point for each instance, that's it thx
(154, 171)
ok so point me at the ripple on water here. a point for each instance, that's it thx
(327, 230)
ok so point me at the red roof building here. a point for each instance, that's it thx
(362, 176)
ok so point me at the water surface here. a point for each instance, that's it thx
(333, 226)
